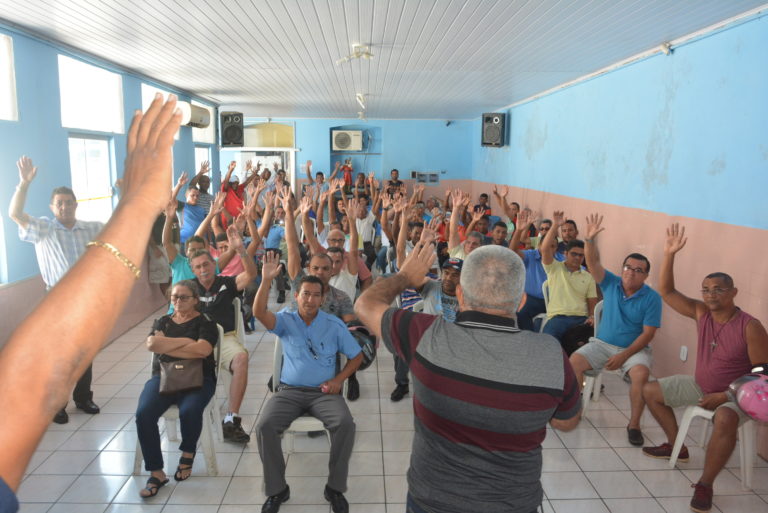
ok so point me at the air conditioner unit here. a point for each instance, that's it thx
(347, 140)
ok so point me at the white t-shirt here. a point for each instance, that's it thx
(345, 282)
(365, 228)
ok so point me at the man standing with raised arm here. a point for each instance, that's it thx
(730, 342)
(59, 243)
(631, 316)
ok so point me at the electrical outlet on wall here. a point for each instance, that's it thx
(684, 353)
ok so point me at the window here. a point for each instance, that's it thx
(205, 135)
(8, 109)
(89, 160)
(202, 153)
(91, 97)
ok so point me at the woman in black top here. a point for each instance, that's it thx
(186, 334)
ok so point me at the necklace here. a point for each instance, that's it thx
(715, 338)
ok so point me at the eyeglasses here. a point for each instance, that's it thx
(717, 291)
(634, 270)
(175, 298)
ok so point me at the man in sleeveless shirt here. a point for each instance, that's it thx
(730, 341)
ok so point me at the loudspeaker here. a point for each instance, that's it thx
(493, 129)
(231, 129)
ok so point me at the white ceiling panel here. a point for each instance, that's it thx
(433, 59)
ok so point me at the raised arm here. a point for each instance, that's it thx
(592, 255)
(27, 173)
(251, 271)
(225, 182)
(205, 166)
(266, 219)
(270, 268)
(170, 215)
(37, 370)
(682, 304)
(402, 207)
(459, 205)
(216, 207)
(308, 169)
(547, 247)
(291, 238)
(181, 182)
(524, 220)
(320, 211)
(335, 171)
(354, 240)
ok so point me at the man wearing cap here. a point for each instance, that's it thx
(235, 192)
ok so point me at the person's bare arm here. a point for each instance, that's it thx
(181, 182)
(335, 385)
(682, 304)
(591, 254)
(354, 239)
(266, 220)
(205, 166)
(216, 207)
(250, 270)
(402, 236)
(524, 220)
(38, 371)
(757, 342)
(231, 169)
(27, 173)
(547, 248)
(269, 270)
(170, 215)
(565, 425)
(453, 227)
(335, 171)
(372, 303)
(617, 360)
(320, 211)
(291, 238)
(179, 347)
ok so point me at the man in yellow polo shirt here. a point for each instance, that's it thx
(572, 290)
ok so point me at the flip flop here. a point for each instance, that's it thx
(153, 486)
(188, 466)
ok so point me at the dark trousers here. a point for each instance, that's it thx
(82, 392)
(151, 407)
(412, 506)
(533, 307)
(401, 371)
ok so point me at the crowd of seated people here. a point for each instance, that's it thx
(330, 242)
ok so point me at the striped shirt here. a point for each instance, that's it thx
(56, 246)
(483, 394)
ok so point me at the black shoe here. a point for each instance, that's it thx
(61, 417)
(338, 503)
(635, 437)
(281, 296)
(353, 388)
(233, 432)
(272, 505)
(88, 407)
(399, 392)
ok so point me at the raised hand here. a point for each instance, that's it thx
(324, 196)
(593, 226)
(477, 215)
(305, 205)
(232, 165)
(270, 266)
(248, 165)
(504, 191)
(284, 196)
(456, 198)
(205, 166)
(309, 191)
(676, 239)
(234, 237)
(400, 204)
(27, 171)
(418, 263)
(434, 224)
(170, 207)
(183, 179)
(558, 216)
(269, 198)
(218, 203)
(524, 219)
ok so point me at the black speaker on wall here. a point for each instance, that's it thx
(494, 127)
(231, 129)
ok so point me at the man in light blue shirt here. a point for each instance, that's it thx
(59, 243)
(308, 384)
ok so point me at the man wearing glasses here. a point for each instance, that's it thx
(308, 384)
(631, 316)
(572, 290)
(730, 343)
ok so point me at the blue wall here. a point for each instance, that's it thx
(685, 134)
(407, 145)
(38, 134)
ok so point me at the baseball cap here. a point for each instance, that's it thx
(453, 263)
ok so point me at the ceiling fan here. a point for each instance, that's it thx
(359, 51)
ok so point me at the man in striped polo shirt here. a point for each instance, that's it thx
(483, 390)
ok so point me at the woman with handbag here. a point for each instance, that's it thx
(183, 373)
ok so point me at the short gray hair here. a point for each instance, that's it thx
(493, 277)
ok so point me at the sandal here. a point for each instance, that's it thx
(153, 486)
(187, 462)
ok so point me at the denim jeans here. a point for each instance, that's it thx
(559, 324)
(533, 307)
(151, 407)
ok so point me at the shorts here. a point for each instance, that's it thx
(230, 347)
(682, 390)
(597, 353)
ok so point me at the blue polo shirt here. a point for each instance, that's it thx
(326, 335)
(624, 317)
(275, 235)
(535, 275)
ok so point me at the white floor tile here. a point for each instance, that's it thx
(200, 490)
(94, 489)
(579, 506)
(66, 462)
(44, 488)
(665, 483)
(598, 459)
(647, 505)
(617, 485)
(746, 503)
(567, 485)
(558, 460)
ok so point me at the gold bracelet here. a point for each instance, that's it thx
(116, 252)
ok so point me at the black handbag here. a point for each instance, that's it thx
(181, 376)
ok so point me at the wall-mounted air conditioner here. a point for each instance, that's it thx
(347, 140)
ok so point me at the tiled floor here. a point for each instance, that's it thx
(85, 466)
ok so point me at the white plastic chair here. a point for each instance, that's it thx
(543, 316)
(305, 423)
(225, 378)
(746, 441)
(593, 380)
(206, 437)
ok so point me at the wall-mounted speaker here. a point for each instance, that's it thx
(231, 129)
(494, 126)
